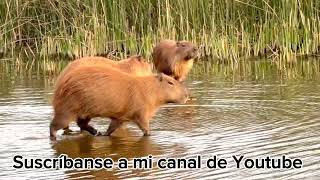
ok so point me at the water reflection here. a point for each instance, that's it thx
(255, 109)
(114, 146)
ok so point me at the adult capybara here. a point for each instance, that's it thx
(174, 58)
(92, 91)
(135, 65)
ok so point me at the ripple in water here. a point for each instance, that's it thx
(224, 118)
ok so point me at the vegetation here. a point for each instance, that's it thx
(224, 29)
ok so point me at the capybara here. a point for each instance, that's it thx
(174, 58)
(93, 91)
(135, 65)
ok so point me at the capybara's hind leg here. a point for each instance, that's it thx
(114, 124)
(84, 126)
(144, 126)
(57, 123)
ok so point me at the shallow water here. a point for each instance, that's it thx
(255, 109)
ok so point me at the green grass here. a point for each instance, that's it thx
(229, 30)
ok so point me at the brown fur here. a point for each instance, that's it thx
(135, 65)
(88, 92)
(174, 58)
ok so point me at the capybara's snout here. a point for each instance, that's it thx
(191, 53)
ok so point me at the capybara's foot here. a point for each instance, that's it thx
(90, 129)
(99, 134)
(67, 131)
(84, 126)
(144, 127)
(103, 134)
(146, 133)
(93, 131)
(59, 121)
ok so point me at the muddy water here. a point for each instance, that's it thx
(255, 109)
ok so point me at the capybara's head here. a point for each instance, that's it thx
(139, 66)
(174, 91)
(187, 50)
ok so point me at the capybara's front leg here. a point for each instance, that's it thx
(144, 126)
(114, 124)
(84, 126)
(58, 122)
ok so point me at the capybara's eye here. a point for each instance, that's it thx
(171, 83)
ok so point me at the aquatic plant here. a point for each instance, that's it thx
(228, 30)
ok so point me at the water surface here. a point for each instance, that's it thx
(255, 109)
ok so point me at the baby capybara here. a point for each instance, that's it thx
(92, 91)
(135, 65)
(174, 58)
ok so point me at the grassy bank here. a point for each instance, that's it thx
(225, 29)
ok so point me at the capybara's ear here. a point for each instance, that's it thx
(178, 43)
(160, 76)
